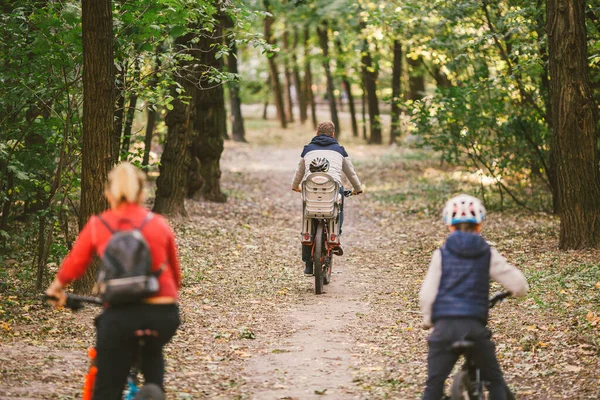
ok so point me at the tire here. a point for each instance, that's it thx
(150, 391)
(318, 259)
(461, 386)
(328, 268)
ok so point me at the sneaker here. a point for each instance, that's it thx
(308, 269)
(338, 251)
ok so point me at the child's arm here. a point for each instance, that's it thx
(507, 275)
(430, 287)
(299, 174)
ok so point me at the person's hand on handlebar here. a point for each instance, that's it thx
(297, 189)
(356, 193)
(56, 290)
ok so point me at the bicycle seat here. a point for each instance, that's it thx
(140, 333)
(461, 346)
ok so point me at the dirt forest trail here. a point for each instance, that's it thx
(252, 327)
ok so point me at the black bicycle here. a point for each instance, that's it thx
(149, 391)
(467, 383)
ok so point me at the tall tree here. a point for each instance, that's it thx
(298, 84)
(310, 97)
(370, 74)
(323, 34)
(151, 119)
(346, 84)
(395, 132)
(287, 73)
(275, 83)
(416, 78)
(119, 112)
(575, 130)
(171, 185)
(235, 102)
(210, 119)
(133, 97)
(98, 80)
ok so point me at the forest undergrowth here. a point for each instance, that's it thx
(243, 275)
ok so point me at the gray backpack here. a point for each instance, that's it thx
(126, 274)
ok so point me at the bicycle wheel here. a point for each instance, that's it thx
(318, 259)
(328, 267)
(150, 391)
(462, 387)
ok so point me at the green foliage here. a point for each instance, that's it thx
(41, 96)
(492, 118)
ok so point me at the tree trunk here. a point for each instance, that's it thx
(370, 77)
(298, 81)
(151, 120)
(416, 79)
(235, 103)
(310, 97)
(364, 108)
(545, 91)
(395, 131)
(275, 84)
(289, 101)
(129, 116)
(210, 121)
(150, 123)
(172, 183)
(347, 87)
(324, 42)
(575, 136)
(98, 112)
(119, 114)
(7, 204)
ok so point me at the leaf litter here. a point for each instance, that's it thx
(246, 305)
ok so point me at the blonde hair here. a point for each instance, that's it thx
(126, 184)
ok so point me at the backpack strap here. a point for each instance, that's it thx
(147, 219)
(106, 224)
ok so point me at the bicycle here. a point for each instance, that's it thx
(467, 383)
(320, 223)
(149, 391)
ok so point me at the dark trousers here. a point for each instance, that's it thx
(441, 357)
(307, 248)
(117, 346)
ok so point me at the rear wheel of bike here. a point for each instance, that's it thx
(318, 256)
(150, 391)
(462, 387)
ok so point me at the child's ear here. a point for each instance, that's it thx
(478, 228)
(452, 228)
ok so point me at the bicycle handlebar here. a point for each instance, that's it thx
(348, 193)
(498, 297)
(75, 302)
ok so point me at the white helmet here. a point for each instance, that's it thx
(463, 208)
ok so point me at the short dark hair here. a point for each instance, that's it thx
(466, 226)
(326, 128)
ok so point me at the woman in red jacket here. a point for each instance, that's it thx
(116, 343)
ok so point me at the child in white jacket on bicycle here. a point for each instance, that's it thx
(454, 297)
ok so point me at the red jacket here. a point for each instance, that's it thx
(95, 236)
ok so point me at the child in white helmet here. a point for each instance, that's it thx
(454, 297)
